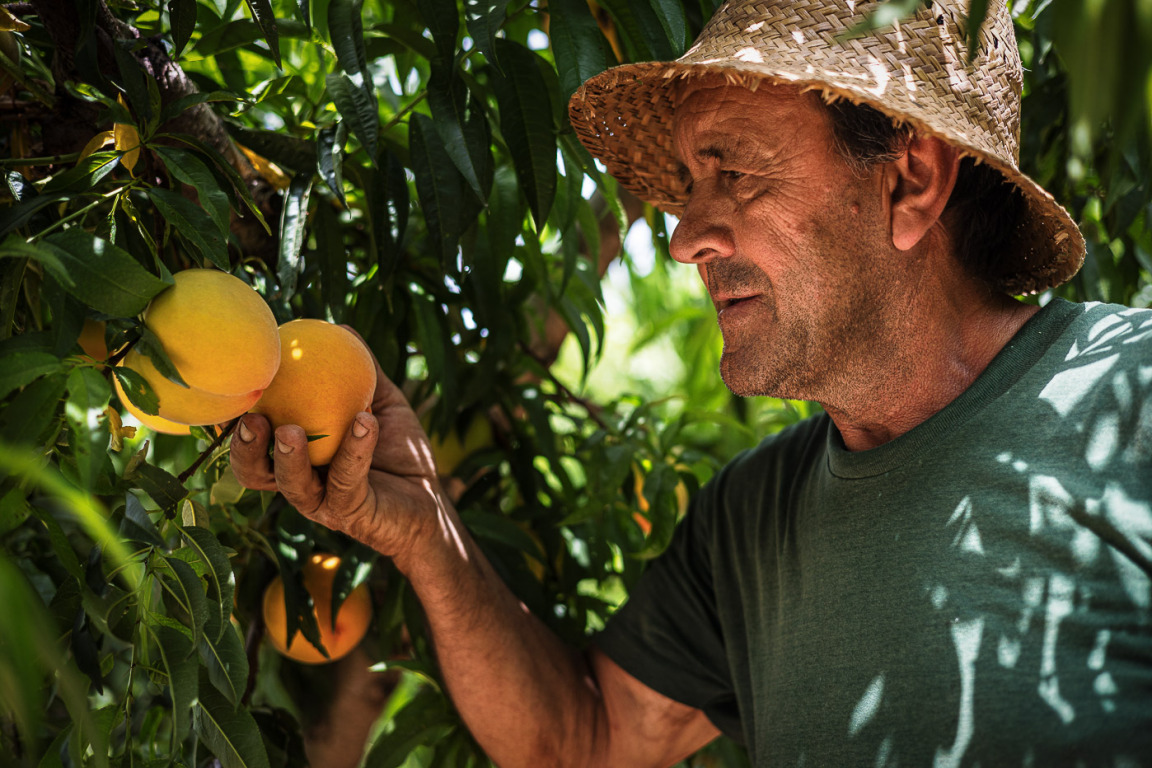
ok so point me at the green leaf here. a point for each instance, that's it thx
(293, 232)
(294, 154)
(670, 15)
(239, 188)
(577, 44)
(134, 79)
(358, 108)
(189, 169)
(24, 367)
(95, 271)
(138, 391)
(439, 187)
(463, 128)
(14, 510)
(88, 391)
(424, 720)
(221, 582)
(433, 340)
(193, 225)
(263, 16)
(225, 662)
(88, 173)
(182, 14)
(29, 414)
(346, 29)
(389, 203)
(229, 732)
(162, 486)
(137, 525)
(526, 122)
(333, 260)
(18, 215)
(151, 347)
(442, 18)
(330, 158)
(182, 669)
(484, 19)
(188, 591)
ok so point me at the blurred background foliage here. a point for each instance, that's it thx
(407, 168)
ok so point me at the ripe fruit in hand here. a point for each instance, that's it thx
(326, 377)
(351, 621)
(221, 336)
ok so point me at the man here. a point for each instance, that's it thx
(952, 565)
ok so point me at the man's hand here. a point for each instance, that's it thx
(381, 487)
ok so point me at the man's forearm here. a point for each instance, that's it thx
(527, 698)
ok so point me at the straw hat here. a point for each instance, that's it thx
(915, 71)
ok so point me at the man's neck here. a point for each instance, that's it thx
(945, 351)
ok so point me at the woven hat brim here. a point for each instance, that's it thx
(624, 117)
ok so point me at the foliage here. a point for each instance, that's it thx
(406, 168)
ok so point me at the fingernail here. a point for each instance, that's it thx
(359, 428)
(245, 434)
(283, 447)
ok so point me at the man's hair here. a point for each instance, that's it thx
(984, 209)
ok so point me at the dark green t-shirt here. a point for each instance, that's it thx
(975, 592)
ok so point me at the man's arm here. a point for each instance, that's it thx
(527, 699)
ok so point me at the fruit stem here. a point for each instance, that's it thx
(224, 433)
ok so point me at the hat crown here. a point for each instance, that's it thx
(916, 68)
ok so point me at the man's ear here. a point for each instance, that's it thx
(919, 184)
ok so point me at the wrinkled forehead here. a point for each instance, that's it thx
(711, 104)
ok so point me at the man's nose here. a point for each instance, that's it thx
(705, 230)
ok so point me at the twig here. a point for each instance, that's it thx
(224, 433)
(16, 162)
(592, 409)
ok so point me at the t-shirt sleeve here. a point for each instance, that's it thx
(668, 634)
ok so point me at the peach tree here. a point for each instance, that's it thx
(406, 168)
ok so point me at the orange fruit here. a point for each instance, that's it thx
(351, 622)
(188, 405)
(326, 377)
(92, 340)
(217, 331)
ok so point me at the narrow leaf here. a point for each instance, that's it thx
(576, 42)
(442, 18)
(137, 525)
(330, 158)
(263, 15)
(24, 367)
(439, 187)
(449, 102)
(188, 591)
(190, 170)
(221, 582)
(193, 224)
(484, 19)
(526, 122)
(137, 390)
(182, 14)
(226, 662)
(293, 228)
(346, 29)
(182, 668)
(229, 732)
(358, 108)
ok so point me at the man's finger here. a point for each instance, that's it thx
(348, 472)
(249, 453)
(295, 477)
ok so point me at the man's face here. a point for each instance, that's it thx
(788, 241)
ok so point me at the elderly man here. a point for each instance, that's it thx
(951, 564)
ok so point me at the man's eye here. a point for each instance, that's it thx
(732, 175)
